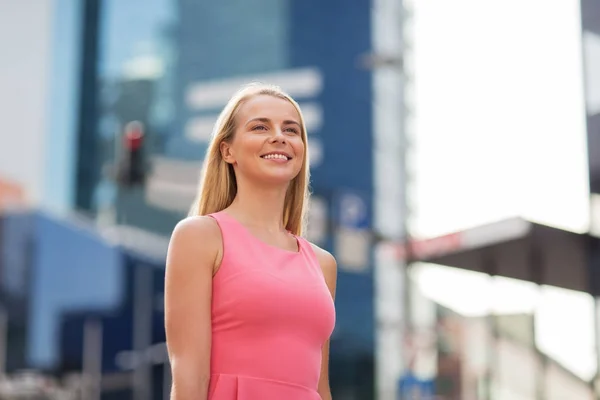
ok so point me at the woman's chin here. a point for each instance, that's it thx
(277, 179)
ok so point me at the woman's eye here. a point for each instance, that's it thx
(293, 130)
(259, 128)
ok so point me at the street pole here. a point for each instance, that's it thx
(92, 358)
(392, 283)
(590, 25)
(142, 329)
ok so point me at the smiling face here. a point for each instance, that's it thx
(268, 144)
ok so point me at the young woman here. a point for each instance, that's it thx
(249, 302)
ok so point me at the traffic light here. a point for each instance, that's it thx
(132, 166)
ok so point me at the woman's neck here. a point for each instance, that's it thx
(260, 207)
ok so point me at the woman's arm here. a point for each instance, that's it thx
(194, 251)
(329, 267)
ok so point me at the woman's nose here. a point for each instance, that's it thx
(278, 136)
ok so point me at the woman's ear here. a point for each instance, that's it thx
(226, 152)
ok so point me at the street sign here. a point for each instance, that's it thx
(352, 211)
(352, 236)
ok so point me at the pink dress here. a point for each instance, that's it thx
(271, 314)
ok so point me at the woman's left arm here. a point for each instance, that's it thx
(329, 267)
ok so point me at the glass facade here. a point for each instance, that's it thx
(172, 65)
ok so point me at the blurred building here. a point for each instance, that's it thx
(84, 257)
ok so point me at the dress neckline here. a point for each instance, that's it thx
(262, 242)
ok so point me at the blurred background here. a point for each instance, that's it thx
(455, 149)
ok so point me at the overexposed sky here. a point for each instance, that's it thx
(499, 113)
(499, 131)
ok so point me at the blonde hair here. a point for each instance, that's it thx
(218, 186)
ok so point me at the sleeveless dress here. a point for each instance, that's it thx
(271, 315)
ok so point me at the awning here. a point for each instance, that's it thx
(516, 248)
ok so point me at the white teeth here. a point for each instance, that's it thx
(277, 156)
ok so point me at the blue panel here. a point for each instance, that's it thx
(117, 321)
(72, 269)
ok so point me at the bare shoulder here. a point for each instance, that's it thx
(328, 266)
(326, 259)
(197, 237)
(203, 226)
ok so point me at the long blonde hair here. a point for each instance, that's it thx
(218, 186)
